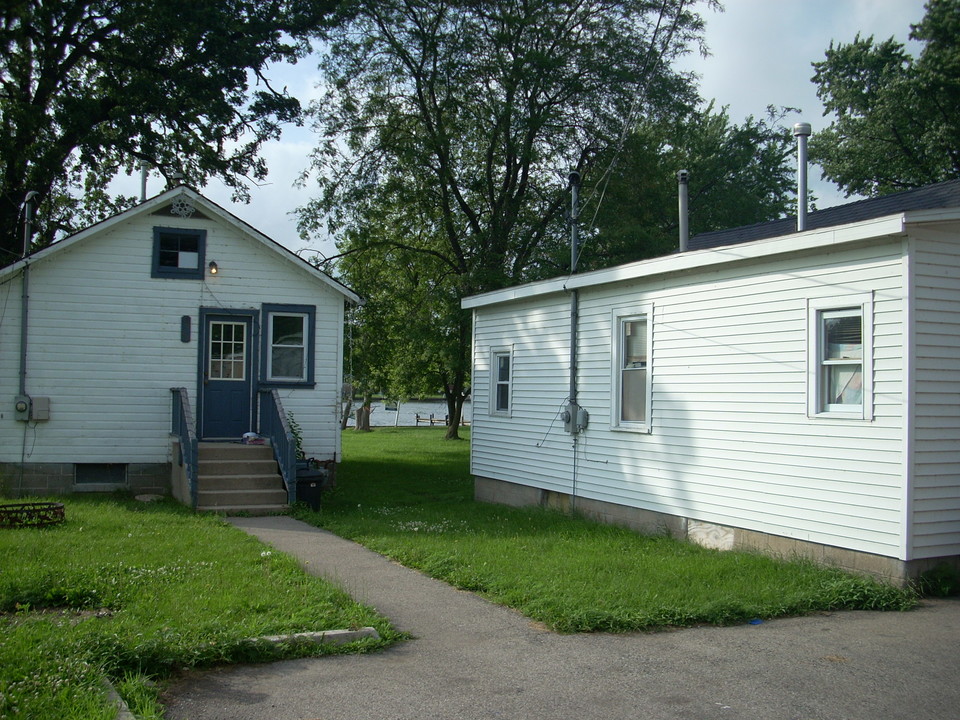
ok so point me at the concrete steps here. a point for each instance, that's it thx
(234, 478)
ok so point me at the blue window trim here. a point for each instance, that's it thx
(265, 340)
(157, 271)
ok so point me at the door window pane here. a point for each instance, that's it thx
(227, 351)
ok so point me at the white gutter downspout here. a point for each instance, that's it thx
(802, 131)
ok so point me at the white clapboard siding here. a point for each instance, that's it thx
(935, 513)
(105, 344)
(731, 442)
(537, 332)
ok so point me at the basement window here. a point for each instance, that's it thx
(99, 476)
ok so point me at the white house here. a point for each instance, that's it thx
(794, 392)
(174, 315)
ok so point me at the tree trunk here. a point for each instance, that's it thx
(454, 396)
(363, 415)
(345, 415)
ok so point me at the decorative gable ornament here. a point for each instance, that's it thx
(182, 207)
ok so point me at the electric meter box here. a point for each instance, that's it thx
(40, 408)
(21, 407)
(28, 408)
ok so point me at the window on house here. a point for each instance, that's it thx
(632, 372)
(501, 370)
(289, 344)
(178, 253)
(840, 353)
(100, 474)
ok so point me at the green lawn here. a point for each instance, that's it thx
(131, 591)
(407, 493)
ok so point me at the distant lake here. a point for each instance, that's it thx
(405, 414)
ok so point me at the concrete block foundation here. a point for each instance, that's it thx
(710, 535)
(51, 479)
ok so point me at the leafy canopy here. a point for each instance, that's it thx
(897, 125)
(449, 127)
(739, 174)
(90, 88)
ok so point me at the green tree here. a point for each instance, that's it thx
(738, 175)
(897, 124)
(89, 88)
(449, 128)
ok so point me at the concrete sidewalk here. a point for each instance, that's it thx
(472, 659)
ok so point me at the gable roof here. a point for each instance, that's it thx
(930, 197)
(205, 205)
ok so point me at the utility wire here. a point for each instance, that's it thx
(632, 114)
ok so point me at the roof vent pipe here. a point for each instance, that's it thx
(684, 224)
(144, 165)
(28, 221)
(801, 131)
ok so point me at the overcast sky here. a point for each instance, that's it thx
(760, 55)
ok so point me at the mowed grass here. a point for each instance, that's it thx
(129, 592)
(407, 493)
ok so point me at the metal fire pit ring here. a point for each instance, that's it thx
(38, 514)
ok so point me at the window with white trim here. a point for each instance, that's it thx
(631, 372)
(840, 356)
(288, 344)
(501, 375)
(288, 347)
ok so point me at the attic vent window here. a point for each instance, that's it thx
(178, 253)
(181, 207)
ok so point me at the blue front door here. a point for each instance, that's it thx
(226, 384)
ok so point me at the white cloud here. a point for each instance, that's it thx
(762, 50)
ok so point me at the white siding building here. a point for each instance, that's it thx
(97, 329)
(795, 393)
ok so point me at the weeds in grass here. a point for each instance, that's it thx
(569, 573)
(131, 592)
(942, 580)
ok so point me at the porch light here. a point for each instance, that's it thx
(213, 268)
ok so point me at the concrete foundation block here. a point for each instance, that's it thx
(711, 535)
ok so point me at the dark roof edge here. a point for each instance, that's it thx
(929, 197)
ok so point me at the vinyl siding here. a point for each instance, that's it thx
(104, 342)
(935, 513)
(731, 442)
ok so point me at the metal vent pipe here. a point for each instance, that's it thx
(28, 221)
(802, 131)
(684, 222)
(144, 167)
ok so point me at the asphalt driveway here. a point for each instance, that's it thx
(472, 659)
